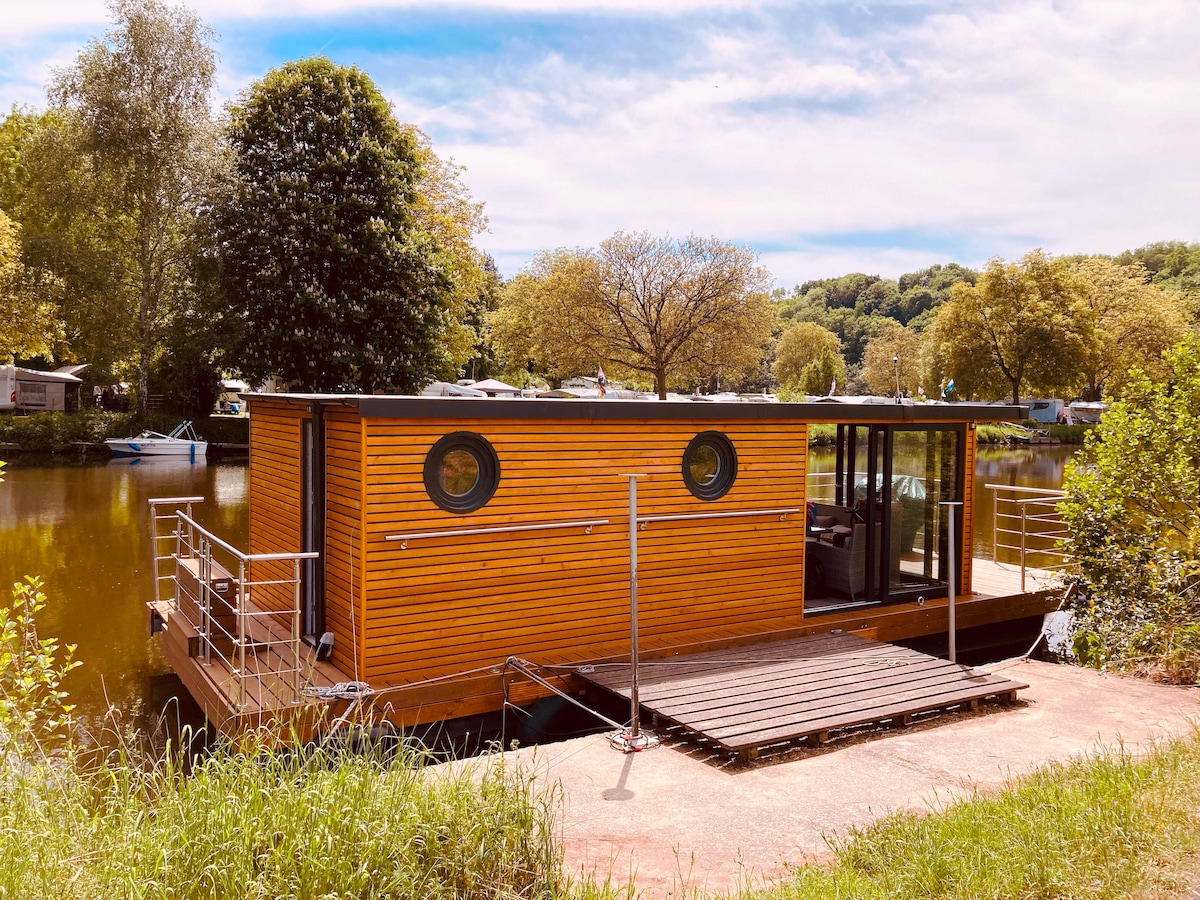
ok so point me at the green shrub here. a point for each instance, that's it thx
(58, 432)
(33, 707)
(1133, 515)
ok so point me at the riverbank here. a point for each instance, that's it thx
(55, 435)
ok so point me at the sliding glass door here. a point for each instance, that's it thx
(898, 481)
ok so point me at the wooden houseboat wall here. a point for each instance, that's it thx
(350, 477)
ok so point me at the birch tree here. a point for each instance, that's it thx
(136, 103)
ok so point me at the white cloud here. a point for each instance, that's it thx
(23, 18)
(989, 127)
(1019, 124)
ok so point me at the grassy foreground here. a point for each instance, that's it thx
(330, 825)
(264, 825)
(1111, 826)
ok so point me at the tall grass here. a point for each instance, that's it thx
(1105, 827)
(306, 825)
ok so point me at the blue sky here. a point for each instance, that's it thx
(879, 136)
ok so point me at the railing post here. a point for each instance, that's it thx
(154, 546)
(635, 738)
(952, 579)
(204, 572)
(634, 704)
(296, 631)
(1023, 533)
(995, 524)
(241, 637)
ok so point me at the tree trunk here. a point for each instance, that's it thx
(660, 383)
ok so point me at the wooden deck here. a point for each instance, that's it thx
(267, 698)
(748, 698)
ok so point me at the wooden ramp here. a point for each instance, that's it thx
(747, 698)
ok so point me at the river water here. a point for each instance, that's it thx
(85, 531)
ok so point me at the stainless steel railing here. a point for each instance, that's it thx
(212, 586)
(1028, 529)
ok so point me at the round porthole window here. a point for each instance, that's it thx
(709, 465)
(461, 472)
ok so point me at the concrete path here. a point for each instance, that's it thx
(675, 819)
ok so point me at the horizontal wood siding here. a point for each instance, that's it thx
(343, 536)
(967, 511)
(447, 605)
(275, 496)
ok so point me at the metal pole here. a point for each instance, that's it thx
(296, 599)
(995, 512)
(203, 567)
(634, 716)
(1023, 532)
(241, 620)
(952, 573)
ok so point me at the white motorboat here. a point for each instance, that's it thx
(182, 443)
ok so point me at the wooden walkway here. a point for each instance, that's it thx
(747, 698)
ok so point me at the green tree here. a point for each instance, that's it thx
(136, 108)
(1133, 517)
(1170, 264)
(47, 187)
(1135, 323)
(443, 209)
(321, 260)
(676, 311)
(808, 359)
(894, 355)
(1025, 322)
(29, 323)
(924, 291)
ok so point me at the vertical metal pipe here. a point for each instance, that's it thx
(1022, 502)
(296, 629)
(241, 620)
(952, 573)
(634, 705)
(995, 512)
(204, 571)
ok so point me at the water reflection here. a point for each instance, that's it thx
(84, 530)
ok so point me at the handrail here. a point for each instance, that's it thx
(1047, 525)
(588, 525)
(735, 514)
(155, 537)
(1020, 488)
(234, 644)
(155, 501)
(246, 557)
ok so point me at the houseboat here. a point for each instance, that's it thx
(429, 553)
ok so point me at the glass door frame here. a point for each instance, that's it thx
(880, 453)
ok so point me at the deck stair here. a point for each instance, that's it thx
(747, 698)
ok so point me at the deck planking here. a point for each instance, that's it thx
(747, 698)
(269, 696)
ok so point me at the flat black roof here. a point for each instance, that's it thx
(561, 410)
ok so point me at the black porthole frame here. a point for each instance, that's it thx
(726, 465)
(489, 471)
